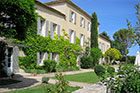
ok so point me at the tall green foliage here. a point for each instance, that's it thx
(94, 31)
(16, 16)
(124, 37)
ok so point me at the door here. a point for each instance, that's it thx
(9, 61)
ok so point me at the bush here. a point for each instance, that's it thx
(38, 71)
(86, 61)
(110, 70)
(113, 54)
(45, 79)
(61, 85)
(64, 69)
(96, 54)
(99, 70)
(127, 81)
(49, 65)
(131, 59)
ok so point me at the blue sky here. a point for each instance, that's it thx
(112, 14)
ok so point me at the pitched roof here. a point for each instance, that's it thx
(69, 2)
(51, 9)
(104, 37)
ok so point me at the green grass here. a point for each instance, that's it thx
(89, 77)
(8, 81)
(39, 89)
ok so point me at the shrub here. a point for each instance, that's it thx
(96, 54)
(60, 87)
(38, 71)
(99, 70)
(113, 54)
(110, 70)
(86, 61)
(127, 80)
(131, 59)
(45, 79)
(49, 65)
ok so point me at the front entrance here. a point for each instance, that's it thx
(9, 61)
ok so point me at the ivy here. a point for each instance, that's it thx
(68, 52)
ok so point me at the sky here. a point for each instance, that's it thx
(112, 15)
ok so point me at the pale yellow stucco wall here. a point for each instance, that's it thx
(106, 43)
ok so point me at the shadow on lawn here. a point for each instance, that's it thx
(23, 82)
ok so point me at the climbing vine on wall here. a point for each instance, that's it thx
(68, 52)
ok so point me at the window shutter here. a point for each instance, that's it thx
(70, 35)
(46, 56)
(58, 31)
(75, 18)
(70, 16)
(51, 28)
(47, 28)
(80, 21)
(51, 56)
(74, 37)
(38, 25)
(38, 58)
(88, 27)
(83, 40)
(84, 23)
(57, 60)
(80, 39)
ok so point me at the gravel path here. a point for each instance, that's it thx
(29, 81)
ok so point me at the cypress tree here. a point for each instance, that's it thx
(94, 31)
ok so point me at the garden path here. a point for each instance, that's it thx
(29, 81)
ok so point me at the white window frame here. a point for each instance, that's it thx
(82, 22)
(72, 36)
(82, 40)
(89, 26)
(73, 17)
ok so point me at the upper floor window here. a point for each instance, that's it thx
(55, 29)
(82, 22)
(82, 39)
(89, 26)
(100, 45)
(72, 17)
(72, 36)
(107, 47)
(40, 25)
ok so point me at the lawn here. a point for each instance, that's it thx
(39, 89)
(88, 77)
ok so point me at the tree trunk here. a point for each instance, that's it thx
(125, 55)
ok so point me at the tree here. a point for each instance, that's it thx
(116, 44)
(94, 31)
(125, 38)
(113, 54)
(136, 29)
(16, 16)
(105, 34)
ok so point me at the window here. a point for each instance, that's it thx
(103, 47)
(41, 56)
(72, 36)
(54, 56)
(82, 22)
(107, 47)
(89, 27)
(55, 29)
(40, 25)
(82, 37)
(100, 45)
(72, 17)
